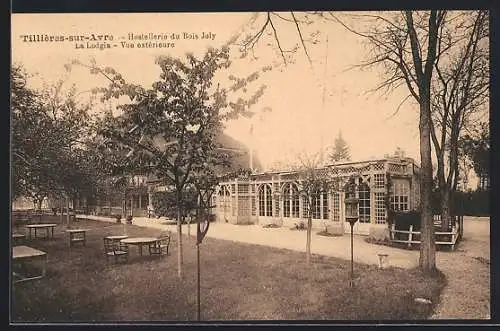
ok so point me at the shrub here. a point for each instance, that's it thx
(129, 219)
(299, 226)
(271, 225)
(473, 203)
(118, 218)
(328, 234)
(403, 220)
(165, 203)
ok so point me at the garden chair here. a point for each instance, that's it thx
(161, 245)
(115, 249)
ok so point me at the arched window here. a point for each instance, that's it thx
(364, 203)
(225, 199)
(265, 200)
(290, 200)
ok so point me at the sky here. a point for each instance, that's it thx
(299, 121)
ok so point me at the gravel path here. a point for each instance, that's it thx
(467, 292)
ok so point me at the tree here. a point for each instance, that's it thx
(459, 91)
(404, 46)
(312, 184)
(46, 126)
(340, 150)
(31, 140)
(171, 127)
(476, 147)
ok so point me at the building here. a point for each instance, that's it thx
(274, 197)
(137, 197)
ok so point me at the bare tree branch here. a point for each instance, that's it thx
(301, 38)
(399, 106)
(276, 37)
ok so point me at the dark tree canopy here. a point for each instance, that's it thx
(47, 146)
(476, 146)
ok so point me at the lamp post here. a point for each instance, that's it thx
(351, 207)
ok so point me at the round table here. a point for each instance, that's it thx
(139, 241)
(119, 237)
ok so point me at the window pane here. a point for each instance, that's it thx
(364, 203)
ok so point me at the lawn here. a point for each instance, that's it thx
(238, 282)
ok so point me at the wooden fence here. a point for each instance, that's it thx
(444, 238)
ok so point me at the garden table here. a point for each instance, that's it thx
(139, 241)
(24, 254)
(18, 237)
(77, 235)
(46, 226)
(116, 238)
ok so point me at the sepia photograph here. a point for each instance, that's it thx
(273, 166)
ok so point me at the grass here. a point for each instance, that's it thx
(238, 282)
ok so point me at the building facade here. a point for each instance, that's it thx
(275, 197)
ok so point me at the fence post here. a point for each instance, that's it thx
(410, 236)
(393, 228)
(453, 237)
(461, 226)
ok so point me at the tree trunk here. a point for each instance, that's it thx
(179, 236)
(444, 193)
(424, 75)
(67, 212)
(309, 228)
(124, 205)
(427, 247)
(445, 207)
(39, 204)
(61, 205)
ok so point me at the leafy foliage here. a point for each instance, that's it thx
(49, 155)
(476, 146)
(165, 203)
(170, 129)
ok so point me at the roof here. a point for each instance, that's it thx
(349, 163)
(241, 157)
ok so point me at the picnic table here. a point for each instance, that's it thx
(139, 241)
(76, 236)
(25, 254)
(46, 226)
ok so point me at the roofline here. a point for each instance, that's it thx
(280, 172)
